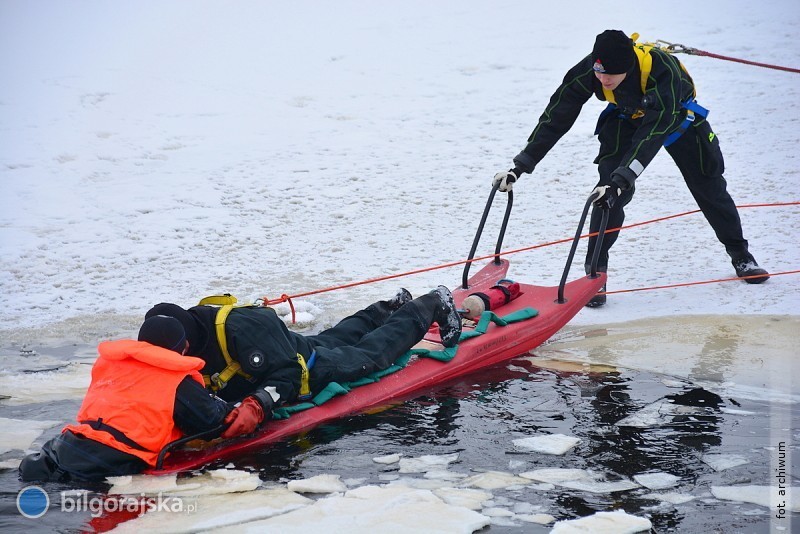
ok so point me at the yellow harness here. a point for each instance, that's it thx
(217, 381)
(645, 66)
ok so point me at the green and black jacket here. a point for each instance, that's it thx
(654, 117)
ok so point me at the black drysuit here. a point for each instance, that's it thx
(632, 143)
(367, 341)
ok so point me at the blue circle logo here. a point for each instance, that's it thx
(32, 502)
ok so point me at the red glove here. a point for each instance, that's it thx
(244, 419)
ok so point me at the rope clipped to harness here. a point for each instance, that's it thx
(675, 48)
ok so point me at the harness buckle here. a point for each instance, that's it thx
(217, 382)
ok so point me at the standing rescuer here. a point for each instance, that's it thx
(651, 103)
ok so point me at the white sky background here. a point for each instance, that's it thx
(154, 151)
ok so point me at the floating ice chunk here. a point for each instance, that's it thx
(18, 434)
(599, 486)
(655, 481)
(541, 519)
(497, 512)
(216, 482)
(147, 484)
(720, 462)
(493, 480)
(670, 497)
(468, 498)
(318, 484)
(393, 509)
(69, 382)
(768, 496)
(10, 464)
(425, 463)
(549, 444)
(444, 474)
(617, 522)
(555, 475)
(578, 479)
(658, 413)
(734, 411)
(422, 483)
(217, 511)
(390, 459)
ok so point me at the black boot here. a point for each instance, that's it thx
(397, 301)
(447, 317)
(747, 266)
(598, 300)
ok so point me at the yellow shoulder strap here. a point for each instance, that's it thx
(226, 303)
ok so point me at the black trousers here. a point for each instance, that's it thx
(699, 159)
(369, 340)
(70, 457)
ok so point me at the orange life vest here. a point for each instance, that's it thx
(133, 392)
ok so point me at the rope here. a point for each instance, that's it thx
(288, 298)
(680, 49)
(686, 284)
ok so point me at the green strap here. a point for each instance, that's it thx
(335, 388)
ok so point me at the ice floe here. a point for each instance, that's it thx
(318, 484)
(388, 510)
(579, 479)
(656, 481)
(387, 460)
(720, 462)
(557, 444)
(616, 522)
(18, 434)
(425, 463)
(768, 496)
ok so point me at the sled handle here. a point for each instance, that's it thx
(465, 277)
(182, 441)
(595, 255)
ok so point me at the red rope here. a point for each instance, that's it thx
(696, 52)
(686, 284)
(288, 298)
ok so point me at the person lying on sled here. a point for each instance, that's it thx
(143, 395)
(251, 356)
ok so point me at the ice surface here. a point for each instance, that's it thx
(656, 481)
(493, 480)
(720, 462)
(768, 496)
(670, 497)
(18, 434)
(579, 479)
(426, 463)
(617, 522)
(325, 483)
(217, 511)
(551, 444)
(389, 510)
(389, 459)
(468, 498)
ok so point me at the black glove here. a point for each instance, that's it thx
(606, 196)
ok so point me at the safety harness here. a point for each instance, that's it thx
(645, 66)
(218, 381)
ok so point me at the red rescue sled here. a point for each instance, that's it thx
(556, 306)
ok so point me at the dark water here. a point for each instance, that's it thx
(480, 415)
